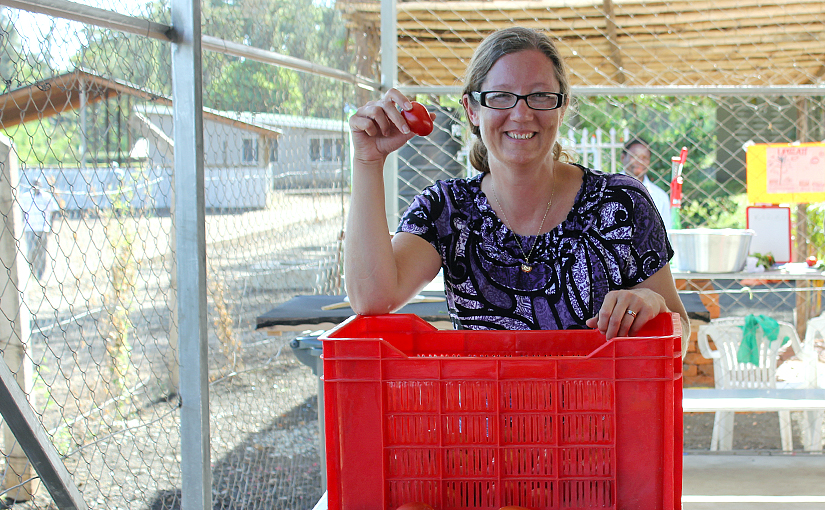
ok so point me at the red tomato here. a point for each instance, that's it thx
(811, 261)
(513, 508)
(415, 505)
(419, 120)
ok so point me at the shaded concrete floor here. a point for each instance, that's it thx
(753, 482)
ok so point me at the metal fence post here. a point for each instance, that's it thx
(389, 77)
(190, 237)
(15, 320)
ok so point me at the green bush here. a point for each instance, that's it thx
(721, 212)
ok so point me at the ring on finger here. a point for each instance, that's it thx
(630, 313)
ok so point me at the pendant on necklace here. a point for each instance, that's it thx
(525, 268)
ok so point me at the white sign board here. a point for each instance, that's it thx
(773, 231)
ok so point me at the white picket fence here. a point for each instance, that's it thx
(596, 150)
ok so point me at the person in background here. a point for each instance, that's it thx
(532, 241)
(636, 161)
(39, 208)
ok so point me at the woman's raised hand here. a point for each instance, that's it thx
(378, 127)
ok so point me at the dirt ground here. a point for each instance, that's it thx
(751, 432)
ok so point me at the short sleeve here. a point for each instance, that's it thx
(420, 217)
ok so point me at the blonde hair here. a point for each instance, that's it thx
(492, 48)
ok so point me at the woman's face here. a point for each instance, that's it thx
(519, 136)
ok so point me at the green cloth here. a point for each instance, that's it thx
(749, 350)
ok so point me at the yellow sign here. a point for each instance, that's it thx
(781, 173)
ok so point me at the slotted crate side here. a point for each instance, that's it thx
(484, 432)
(649, 407)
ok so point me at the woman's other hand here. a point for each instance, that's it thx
(624, 312)
(646, 300)
(379, 128)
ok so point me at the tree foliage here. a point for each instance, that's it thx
(140, 61)
(666, 123)
(298, 28)
(304, 29)
(816, 229)
(45, 141)
(18, 65)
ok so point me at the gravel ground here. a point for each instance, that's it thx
(264, 439)
(125, 453)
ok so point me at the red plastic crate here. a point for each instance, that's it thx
(485, 419)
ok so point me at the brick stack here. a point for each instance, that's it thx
(697, 371)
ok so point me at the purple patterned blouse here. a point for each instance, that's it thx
(613, 238)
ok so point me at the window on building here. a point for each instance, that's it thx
(273, 150)
(250, 151)
(326, 149)
(315, 149)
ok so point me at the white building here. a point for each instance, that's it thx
(246, 160)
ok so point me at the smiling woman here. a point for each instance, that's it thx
(531, 242)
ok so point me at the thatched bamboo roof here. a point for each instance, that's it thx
(643, 43)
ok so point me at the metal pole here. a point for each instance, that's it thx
(37, 445)
(189, 224)
(389, 77)
(277, 59)
(84, 135)
(15, 319)
(93, 16)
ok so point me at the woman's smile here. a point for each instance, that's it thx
(521, 136)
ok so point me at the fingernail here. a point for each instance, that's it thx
(408, 105)
(405, 130)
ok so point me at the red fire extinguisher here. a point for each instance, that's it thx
(676, 183)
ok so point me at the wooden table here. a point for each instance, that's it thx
(307, 312)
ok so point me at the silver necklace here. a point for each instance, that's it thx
(525, 265)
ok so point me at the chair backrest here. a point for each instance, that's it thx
(815, 330)
(727, 335)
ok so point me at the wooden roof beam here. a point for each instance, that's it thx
(615, 51)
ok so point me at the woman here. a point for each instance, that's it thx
(532, 242)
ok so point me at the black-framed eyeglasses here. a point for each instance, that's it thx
(500, 100)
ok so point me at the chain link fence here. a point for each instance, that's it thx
(88, 113)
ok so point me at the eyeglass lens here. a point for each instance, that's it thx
(538, 100)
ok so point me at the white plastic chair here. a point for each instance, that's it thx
(815, 330)
(729, 373)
